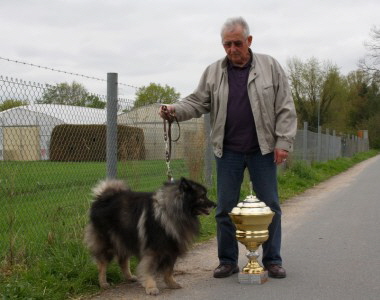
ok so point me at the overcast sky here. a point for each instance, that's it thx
(171, 41)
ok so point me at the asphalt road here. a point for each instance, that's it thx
(331, 247)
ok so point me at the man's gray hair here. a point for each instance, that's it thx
(231, 23)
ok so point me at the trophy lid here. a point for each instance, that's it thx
(251, 205)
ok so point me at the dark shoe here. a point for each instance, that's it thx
(225, 270)
(276, 271)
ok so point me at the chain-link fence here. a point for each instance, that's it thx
(317, 146)
(52, 154)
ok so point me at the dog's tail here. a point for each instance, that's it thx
(108, 188)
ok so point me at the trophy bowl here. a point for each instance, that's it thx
(252, 219)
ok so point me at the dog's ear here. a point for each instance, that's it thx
(184, 184)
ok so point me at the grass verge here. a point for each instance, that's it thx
(55, 265)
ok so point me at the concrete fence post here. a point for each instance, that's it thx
(208, 156)
(319, 143)
(328, 144)
(111, 150)
(334, 145)
(304, 144)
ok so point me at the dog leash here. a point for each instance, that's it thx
(170, 118)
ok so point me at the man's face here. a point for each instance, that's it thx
(236, 46)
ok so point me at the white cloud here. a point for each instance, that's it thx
(171, 42)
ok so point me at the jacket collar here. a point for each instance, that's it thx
(225, 60)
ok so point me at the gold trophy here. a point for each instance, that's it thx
(252, 218)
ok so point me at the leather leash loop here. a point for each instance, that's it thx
(169, 119)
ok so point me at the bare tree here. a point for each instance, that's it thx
(371, 62)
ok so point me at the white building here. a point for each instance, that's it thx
(25, 130)
(191, 133)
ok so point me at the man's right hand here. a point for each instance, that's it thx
(167, 112)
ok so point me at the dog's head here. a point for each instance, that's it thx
(195, 197)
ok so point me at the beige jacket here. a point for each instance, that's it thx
(270, 96)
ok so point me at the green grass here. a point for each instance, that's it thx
(44, 211)
(300, 176)
(35, 176)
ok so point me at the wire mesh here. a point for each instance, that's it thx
(51, 155)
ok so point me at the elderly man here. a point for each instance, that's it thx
(254, 123)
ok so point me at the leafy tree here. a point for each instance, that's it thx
(336, 115)
(358, 88)
(314, 87)
(70, 94)
(10, 103)
(373, 126)
(364, 96)
(364, 102)
(94, 102)
(155, 93)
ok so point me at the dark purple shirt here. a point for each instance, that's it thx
(240, 130)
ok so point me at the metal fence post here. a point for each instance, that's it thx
(111, 125)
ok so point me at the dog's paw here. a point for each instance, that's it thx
(171, 283)
(105, 285)
(132, 278)
(174, 285)
(152, 291)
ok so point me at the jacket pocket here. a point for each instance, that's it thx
(268, 94)
(269, 100)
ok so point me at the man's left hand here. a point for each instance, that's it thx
(280, 156)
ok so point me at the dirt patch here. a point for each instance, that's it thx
(196, 266)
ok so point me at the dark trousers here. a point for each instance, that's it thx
(263, 175)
